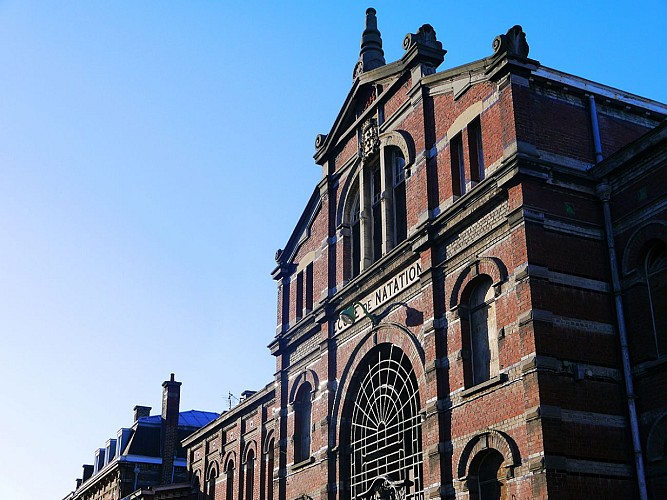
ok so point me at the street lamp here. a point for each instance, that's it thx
(349, 315)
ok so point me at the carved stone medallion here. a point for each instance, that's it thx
(370, 141)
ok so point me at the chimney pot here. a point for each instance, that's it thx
(141, 411)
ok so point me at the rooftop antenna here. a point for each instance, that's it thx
(229, 398)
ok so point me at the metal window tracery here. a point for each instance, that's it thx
(385, 428)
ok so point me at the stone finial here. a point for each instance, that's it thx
(425, 36)
(513, 43)
(371, 55)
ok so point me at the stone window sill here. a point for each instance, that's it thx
(493, 381)
(303, 463)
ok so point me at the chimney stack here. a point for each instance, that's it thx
(141, 411)
(171, 396)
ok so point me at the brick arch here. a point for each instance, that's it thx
(635, 248)
(657, 438)
(490, 266)
(345, 199)
(213, 468)
(250, 446)
(308, 376)
(493, 439)
(267, 441)
(386, 333)
(230, 459)
(402, 140)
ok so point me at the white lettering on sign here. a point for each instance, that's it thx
(384, 293)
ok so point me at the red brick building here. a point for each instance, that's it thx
(473, 303)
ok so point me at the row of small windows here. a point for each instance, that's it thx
(247, 480)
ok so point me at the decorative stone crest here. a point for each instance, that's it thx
(513, 43)
(425, 36)
(370, 141)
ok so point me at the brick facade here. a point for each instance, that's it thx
(498, 304)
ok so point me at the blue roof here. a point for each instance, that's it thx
(192, 418)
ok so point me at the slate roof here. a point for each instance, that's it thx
(145, 440)
(192, 418)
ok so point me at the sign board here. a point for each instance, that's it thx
(384, 293)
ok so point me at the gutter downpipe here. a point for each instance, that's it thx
(604, 193)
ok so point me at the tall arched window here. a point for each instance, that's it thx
(210, 487)
(397, 163)
(481, 337)
(269, 470)
(383, 437)
(355, 230)
(486, 481)
(250, 474)
(655, 268)
(196, 483)
(302, 417)
(230, 481)
(376, 208)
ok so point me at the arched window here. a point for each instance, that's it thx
(269, 470)
(196, 483)
(480, 334)
(397, 163)
(210, 486)
(377, 208)
(383, 436)
(302, 416)
(655, 268)
(355, 230)
(486, 481)
(230, 481)
(250, 474)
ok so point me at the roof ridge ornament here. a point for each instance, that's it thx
(513, 43)
(424, 36)
(371, 55)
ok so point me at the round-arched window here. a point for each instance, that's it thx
(384, 433)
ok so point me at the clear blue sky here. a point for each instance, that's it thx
(154, 155)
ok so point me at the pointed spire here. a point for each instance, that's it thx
(371, 55)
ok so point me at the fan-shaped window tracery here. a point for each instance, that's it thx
(385, 427)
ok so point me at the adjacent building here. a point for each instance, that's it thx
(474, 301)
(146, 458)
